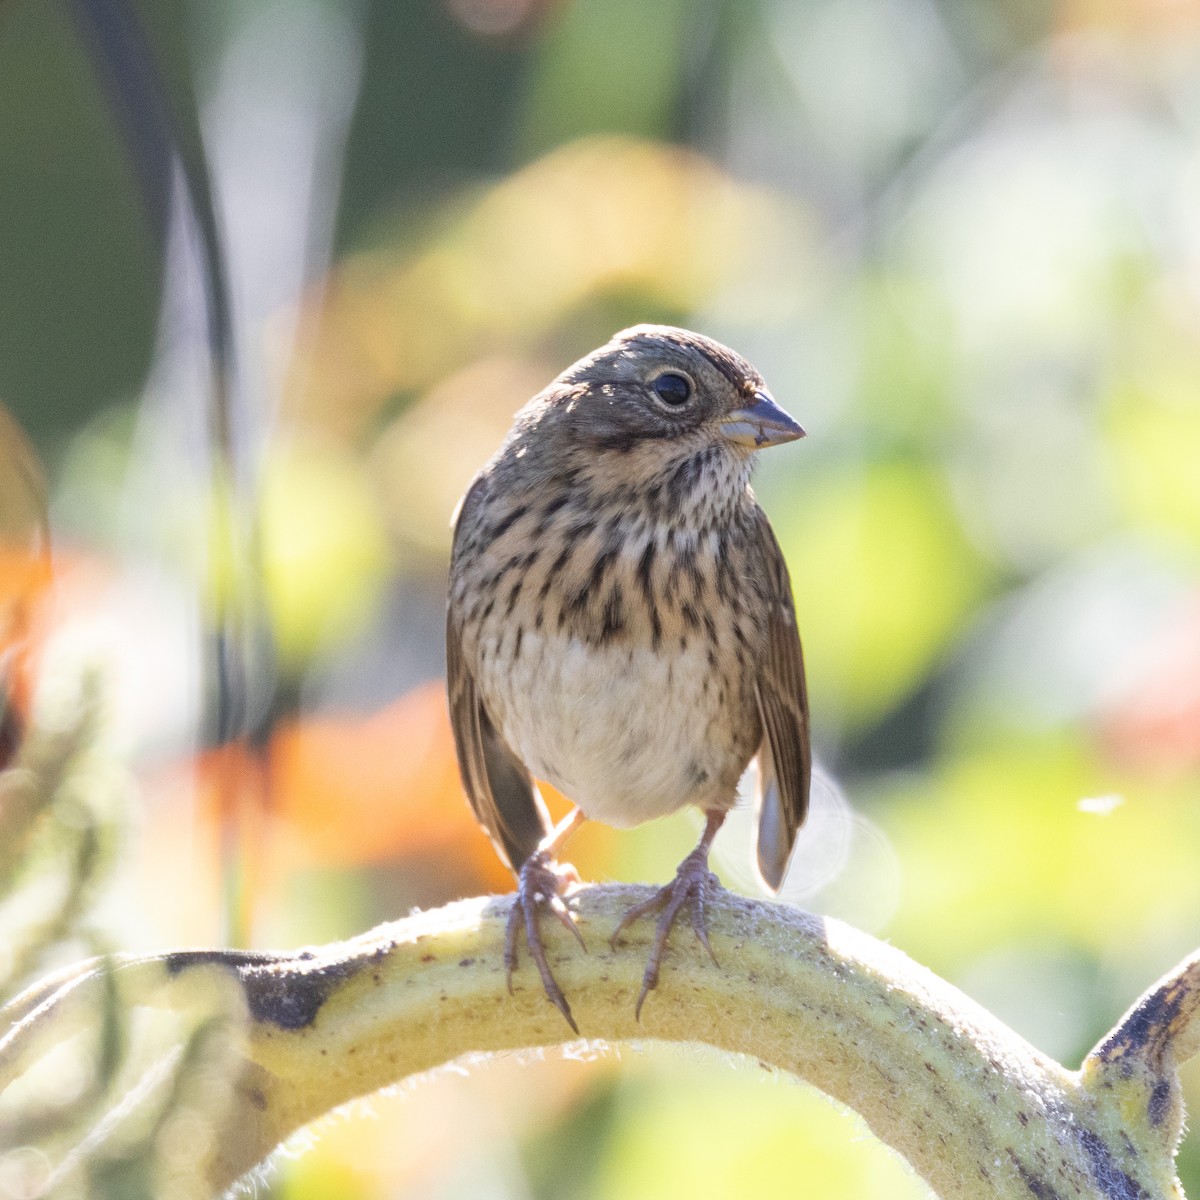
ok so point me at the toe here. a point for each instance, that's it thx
(567, 919)
(511, 928)
(541, 884)
(693, 882)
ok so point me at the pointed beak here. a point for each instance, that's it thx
(760, 424)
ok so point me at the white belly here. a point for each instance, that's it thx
(624, 731)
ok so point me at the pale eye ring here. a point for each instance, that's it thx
(672, 388)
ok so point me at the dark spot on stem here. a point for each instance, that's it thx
(286, 991)
(1113, 1182)
(1160, 1102)
(1039, 1187)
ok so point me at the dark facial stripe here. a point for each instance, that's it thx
(603, 561)
(682, 479)
(614, 616)
(549, 509)
(512, 598)
(507, 522)
(645, 568)
(564, 556)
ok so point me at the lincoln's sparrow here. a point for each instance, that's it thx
(621, 625)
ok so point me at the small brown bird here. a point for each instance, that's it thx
(620, 624)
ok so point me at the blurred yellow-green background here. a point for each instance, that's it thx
(960, 239)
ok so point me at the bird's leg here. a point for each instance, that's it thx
(543, 881)
(692, 881)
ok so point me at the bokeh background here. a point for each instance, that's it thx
(961, 240)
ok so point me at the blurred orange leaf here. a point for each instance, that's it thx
(355, 790)
(24, 577)
(24, 571)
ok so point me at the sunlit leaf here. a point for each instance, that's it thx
(1153, 433)
(1001, 845)
(569, 97)
(904, 386)
(769, 1136)
(324, 557)
(413, 1144)
(595, 216)
(424, 460)
(883, 577)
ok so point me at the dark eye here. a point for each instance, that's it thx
(673, 389)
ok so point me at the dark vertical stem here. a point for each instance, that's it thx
(162, 152)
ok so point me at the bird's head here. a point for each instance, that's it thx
(664, 389)
(658, 413)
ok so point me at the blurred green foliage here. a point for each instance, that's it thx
(97, 1101)
(960, 241)
(59, 813)
(79, 259)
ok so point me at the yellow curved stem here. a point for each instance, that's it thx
(974, 1108)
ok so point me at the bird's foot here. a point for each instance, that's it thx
(541, 883)
(693, 881)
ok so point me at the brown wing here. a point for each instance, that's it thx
(785, 757)
(501, 792)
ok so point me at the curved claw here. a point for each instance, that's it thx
(540, 883)
(700, 918)
(563, 913)
(692, 882)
